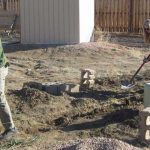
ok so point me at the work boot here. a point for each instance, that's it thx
(8, 133)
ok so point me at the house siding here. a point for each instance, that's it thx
(50, 21)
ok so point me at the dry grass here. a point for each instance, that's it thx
(14, 144)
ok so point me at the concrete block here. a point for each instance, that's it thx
(85, 75)
(90, 71)
(85, 82)
(145, 117)
(148, 121)
(71, 88)
(54, 88)
(74, 88)
(147, 135)
(88, 82)
(144, 113)
(144, 135)
(51, 88)
(144, 125)
(147, 95)
(91, 77)
(91, 82)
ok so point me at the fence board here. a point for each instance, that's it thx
(121, 15)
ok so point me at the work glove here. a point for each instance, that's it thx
(7, 64)
(146, 59)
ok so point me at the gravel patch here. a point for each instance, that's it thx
(96, 144)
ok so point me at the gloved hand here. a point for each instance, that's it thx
(146, 59)
(7, 64)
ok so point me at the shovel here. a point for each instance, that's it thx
(129, 84)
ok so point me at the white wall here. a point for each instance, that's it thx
(86, 21)
(49, 21)
(56, 21)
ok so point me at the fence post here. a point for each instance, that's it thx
(130, 15)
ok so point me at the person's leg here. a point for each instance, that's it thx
(5, 113)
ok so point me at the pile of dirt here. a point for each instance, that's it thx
(96, 144)
(32, 96)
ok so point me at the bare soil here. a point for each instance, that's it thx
(103, 111)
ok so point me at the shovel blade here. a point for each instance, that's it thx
(127, 85)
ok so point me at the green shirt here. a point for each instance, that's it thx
(3, 58)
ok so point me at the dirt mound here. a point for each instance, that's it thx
(32, 96)
(96, 144)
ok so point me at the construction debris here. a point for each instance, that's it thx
(144, 125)
(55, 88)
(87, 79)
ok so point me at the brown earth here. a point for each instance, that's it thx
(104, 111)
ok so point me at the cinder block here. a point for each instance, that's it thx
(91, 82)
(51, 88)
(145, 117)
(144, 135)
(147, 135)
(85, 82)
(90, 71)
(71, 88)
(54, 88)
(91, 77)
(144, 125)
(148, 121)
(85, 75)
(74, 88)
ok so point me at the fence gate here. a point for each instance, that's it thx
(121, 15)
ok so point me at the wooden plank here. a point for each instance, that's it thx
(148, 9)
(115, 24)
(120, 15)
(97, 13)
(109, 15)
(141, 14)
(101, 14)
(134, 20)
(123, 14)
(117, 15)
(106, 15)
(113, 15)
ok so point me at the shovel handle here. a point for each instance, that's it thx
(148, 57)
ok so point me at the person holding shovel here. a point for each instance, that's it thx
(5, 113)
(146, 33)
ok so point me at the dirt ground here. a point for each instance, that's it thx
(45, 120)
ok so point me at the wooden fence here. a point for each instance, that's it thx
(110, 15)
(121, 15)
(8, 11)
(10, 5)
